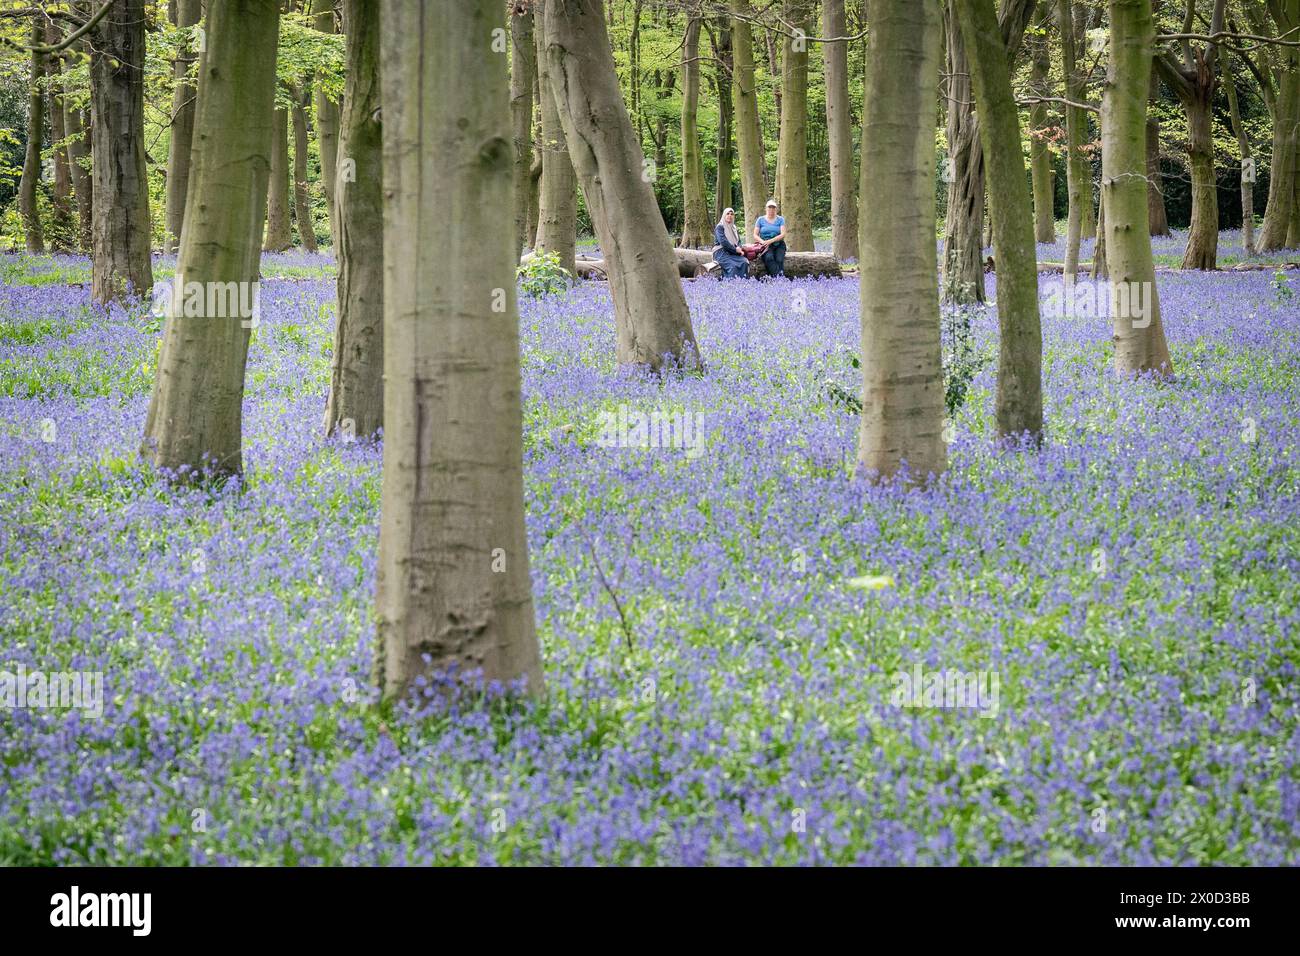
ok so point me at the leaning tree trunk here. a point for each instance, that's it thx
(327, 119)
(523, 69)
(120, 262)
(650, 313)
(1135, 304)
(1155, 187)
(1247, 179)
(1019, 405)
(28, 208)
(194, 419)
(82, 185)
(902, 376)
(182, 129)
(356, 399)
(792, 151)
(963, 244)
(62, 233)
(1040, 153)
(454, 594)
(749, 137)
(279, 227)
(722, 194)
(301, 201)
(697, 231)
(1077, 177)
(557, 223)
(839, 127)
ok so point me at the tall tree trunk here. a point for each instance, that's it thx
(792, 158)
(1247, 159)
(839, 127)
(1040, 153)
(723, 155)
(523, 71)
(1083, 19)
(1135, 304)
(1100, 269)
(301, 200)
(1077, 177)
(28, 208)
(697, 231)
(1283, 180)
(963, 244)
(650, 313)
(62, 232)
(1155, 186)
(279, 226)
(327, 121)
(120, 256)
(557, 225)
(195, 413)
(1019, 405)
(78, 132)
(182, 129)
(453, 581)
(902, 376)
(749, 137)
(356, 398)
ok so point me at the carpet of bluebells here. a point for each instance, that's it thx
(1132, 586)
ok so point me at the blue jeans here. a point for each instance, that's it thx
(733, 266)
(774, 259)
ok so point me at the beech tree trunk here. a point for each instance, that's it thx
(557, 224)
(902, 375)
(1019, 405)
(454, 594)
(121, 247)
(792, 151)
(650, 313)
(63, 236)
(722, 193)
(839, 129)
(356, 397)
(1100, 270)
(523, 70)
(28, 208)
(1040, 153)
(749, 136)
(1137, 333)
(301, 201)
(1155, 185)
(1247, 182)
(327, 121)
(1283, 181)
(182, 130)
(963, 242)
(697, 231)
(194, 419)
(82, 184)
(1077, 177)
(279, 226)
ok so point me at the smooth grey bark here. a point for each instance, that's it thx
(749, 136)
(62, 232)
(301, 201)
(327, 119)
(356, 397)
(839, 130)
(1283, 180)
(1078, 179)
(650, 314)
(1139, 338)
(1019, 400)
(697, 231)
(454, 593)
(28, 209)
(523, 73)
(1243, 145)
(557, 213)
(195, 412)
(1040, 153)
(902, 376)
(279, 225)
(188, 13)
(120, 256)
(792, 150)
(722, 196)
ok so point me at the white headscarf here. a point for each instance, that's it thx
(729, 228)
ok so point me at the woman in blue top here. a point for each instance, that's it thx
(769, 231)
(726, 252)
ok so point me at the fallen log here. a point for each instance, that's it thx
(798, 265)
(589, 267)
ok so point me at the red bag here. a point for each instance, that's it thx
(752, 251)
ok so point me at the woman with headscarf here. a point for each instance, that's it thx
(727, 252)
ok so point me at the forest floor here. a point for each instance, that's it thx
(1122, 604)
